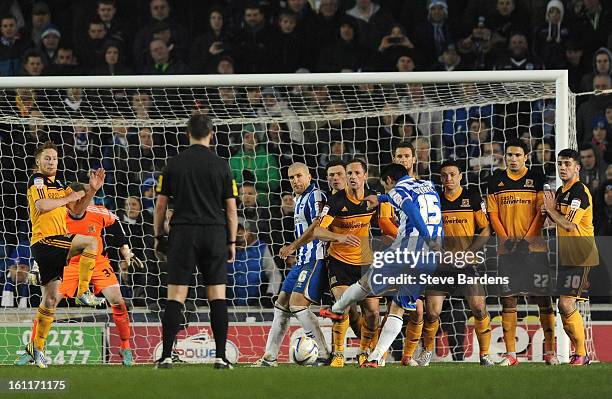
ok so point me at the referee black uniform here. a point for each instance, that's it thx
(201, 187)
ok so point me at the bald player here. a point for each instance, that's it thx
(306, 280)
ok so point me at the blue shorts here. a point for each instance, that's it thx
(308, 279)
(405, 302)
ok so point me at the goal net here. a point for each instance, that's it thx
(263, 123)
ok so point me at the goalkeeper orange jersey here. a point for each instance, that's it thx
(462, 216)
(344, 214)
(576, 247)
(95, 219)
(52, 223)
(516, 202)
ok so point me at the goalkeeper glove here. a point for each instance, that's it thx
(34, 275)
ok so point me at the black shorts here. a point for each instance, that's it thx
(341, 273)
(459, 286)
(51, 254)
(528, 274)
(201, 246)
(573, 281)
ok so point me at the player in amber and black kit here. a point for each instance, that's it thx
(514, 200)
(572, 211)
(202, 232)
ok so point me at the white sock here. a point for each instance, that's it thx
(392, 327)
(311, 327)
(354, 293)
(280, 324)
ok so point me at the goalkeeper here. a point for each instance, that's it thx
(95, 220)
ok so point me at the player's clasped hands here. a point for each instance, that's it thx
(549, 200)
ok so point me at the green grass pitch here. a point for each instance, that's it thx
(439, 381)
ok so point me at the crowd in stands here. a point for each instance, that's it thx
(161, 37)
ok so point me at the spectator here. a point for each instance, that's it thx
(250, 210)
(162, 63)
(600, 139)
(549, 39)
(434, 35)
(591, 21)
(305, 18)
(276, 107)
(345, 54)
(595, 105)
(289, 48)
(506, 20)
(106, 11)
(450, 60)
(327, 22)
(225, 66)
(147, 192)
(575, 65)
(41, 17)
(603, 218)
(477, 48)
(113, 62)
(49, 39)
(395, 44)
(372, 23)
(337, 150)
(593, 169)
(543, 158)
(25, 101)
(283, 228)
(602, 65)
(90, 50)
(426, 167)
(159, 12)
(115, 161)
(145, 159)
(518, 56)
(65, 63)
(12, 47)
(80, 153)
(19, 263)
(141, 105)
(255, 159)
(405, 63)
(74, 105)
(253, 44)
(209, 47)
(33, 64)
(253, 278)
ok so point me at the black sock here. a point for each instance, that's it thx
(218, 323)
(170, 326)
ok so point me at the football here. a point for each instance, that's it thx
(304, 351)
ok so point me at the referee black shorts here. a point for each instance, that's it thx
(204, 246)
(51, 254)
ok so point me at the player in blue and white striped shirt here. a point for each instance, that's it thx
(418, 207)
(305, 282)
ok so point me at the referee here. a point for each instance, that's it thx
(202, 233)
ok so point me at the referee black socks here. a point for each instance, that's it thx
(218, 323)
(170, 326)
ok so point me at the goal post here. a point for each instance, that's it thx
(294, 116)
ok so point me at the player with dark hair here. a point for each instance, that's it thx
(514, 200)
(411, 198)
(463, 215)
(52, 245)
(202, 233)
(572, 210)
